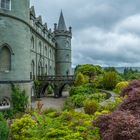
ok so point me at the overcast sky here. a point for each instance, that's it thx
(105, 32)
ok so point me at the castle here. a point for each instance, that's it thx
(28, 48)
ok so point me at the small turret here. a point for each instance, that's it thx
(63, 47)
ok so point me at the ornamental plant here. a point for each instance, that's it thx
(119, 125)
(120, 86)
(124, 122)
(20, 127)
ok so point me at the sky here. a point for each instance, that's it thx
(105, 32)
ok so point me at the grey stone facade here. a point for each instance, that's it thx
(29, 49)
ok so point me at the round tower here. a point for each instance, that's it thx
(14, 45)
(63, 47)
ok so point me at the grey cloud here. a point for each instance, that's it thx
(105, 32)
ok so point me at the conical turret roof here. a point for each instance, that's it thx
(61, 23)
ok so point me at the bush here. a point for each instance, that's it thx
(109, 80)
(98, 97)
(119, 126)
(120, 86)
(79, 80)
(19, 100)
(84, 89)
(4, 130)
(130, 89)
(90, 107)
(20, 127)
(78, 100)
(125, 122)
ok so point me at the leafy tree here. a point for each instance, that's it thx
(79, 80)
(107, 69)
(130, 74)
(109, 80)
(89, 68)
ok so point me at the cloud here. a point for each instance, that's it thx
(105, 32)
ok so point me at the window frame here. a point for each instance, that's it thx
(5, 5)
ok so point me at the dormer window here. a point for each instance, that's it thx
(5, 4)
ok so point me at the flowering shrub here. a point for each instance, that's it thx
(20, 127)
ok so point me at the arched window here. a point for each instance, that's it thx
(5, 59)
(40, 68)
(32, 43)
(33, 69)
(5, 4)
(46, 71)
(46, 50)
(50, 53)
(40, 47)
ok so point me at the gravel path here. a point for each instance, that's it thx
(51, 102)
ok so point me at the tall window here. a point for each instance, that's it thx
(40, 47)
(40, 69)
(32, 43)
(46, 50)
(5, 59)
(33, 69)
(50, 53)
(5, 4)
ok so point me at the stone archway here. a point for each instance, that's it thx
(62, 87)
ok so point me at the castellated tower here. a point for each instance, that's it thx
(14, 45)
(63, 47)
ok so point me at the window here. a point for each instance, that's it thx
(32, 43)
(50, 53)
(40, 47)
(5, 4)
(33, 69)
(46, 50)
(5, 59)
(40, 69)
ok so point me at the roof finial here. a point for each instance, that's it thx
(61, 23)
